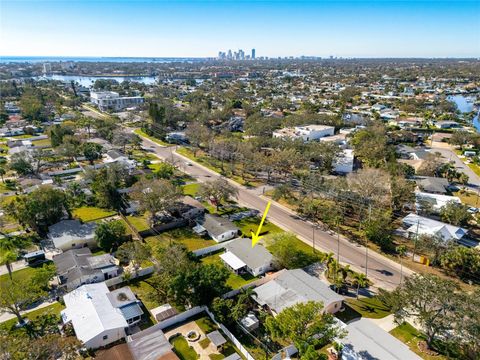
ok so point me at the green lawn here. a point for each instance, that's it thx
(139, 222)
(369, 307)
(42, 142)
(183, 236)
(206, 324)
(468, 198)
(54, 309)
(234, 281)
(191, 189)
(90, 213)
(251, 224)
(143, 292)
(410, 336)
(182, 349)
(155, 140)
(20, 275)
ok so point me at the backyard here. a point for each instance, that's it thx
(234, 281)
(90, 213)
(184, 236)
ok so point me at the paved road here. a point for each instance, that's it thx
(383, 272)
(450, 155)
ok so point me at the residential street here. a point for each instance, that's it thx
(384, 272)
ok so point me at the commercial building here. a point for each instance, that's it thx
(110, 100)
(306, 133)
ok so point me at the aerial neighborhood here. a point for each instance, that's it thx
(133, 197)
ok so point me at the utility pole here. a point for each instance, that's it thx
(415, 243)
(338, 241)
(366, 247)
(313, 236)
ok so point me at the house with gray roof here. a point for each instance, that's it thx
(77, 267)
(218, 228)
(72, 234)
(434, 185)
(366, 341)
(241, 257)
(292, 287)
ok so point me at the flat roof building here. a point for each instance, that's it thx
(110, 100)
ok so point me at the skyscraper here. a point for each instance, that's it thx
(253, 54)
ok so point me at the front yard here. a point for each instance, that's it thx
(53, 309)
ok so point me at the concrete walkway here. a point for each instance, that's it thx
(7, 316)
(17, 265)
(387, 323)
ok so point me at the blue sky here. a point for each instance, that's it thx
(372, 28)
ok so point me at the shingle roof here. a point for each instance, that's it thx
(253, 257)
(292, 287)
(216, 225)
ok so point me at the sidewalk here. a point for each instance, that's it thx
(7, 316)
(17, 265)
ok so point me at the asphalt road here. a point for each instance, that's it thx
(384, 272)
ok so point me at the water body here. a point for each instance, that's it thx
(465, 106)
(88, 81)
(36, 59)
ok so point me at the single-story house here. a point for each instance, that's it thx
(190, 209)
(415, 224)
(100, 317)
(77, 267)
(71, 234)
(293, 287)
(242, 257)
(218, 228)
(366, 341)
(344, 163)
(115, 156)
(437, 201)
(447, 124)
(434, 185)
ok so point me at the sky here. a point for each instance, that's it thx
(195, 28)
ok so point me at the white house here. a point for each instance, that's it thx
(71, 234)
(344, 163)
(110, 100)
(447, 124)
(438, 201)
(306, 133)
(98, 316)
(242, 257)
(293, 287)
(114, 156)
(218, 228)
(415, 224)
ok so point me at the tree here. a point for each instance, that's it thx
(401, 251)
(106, 182)
(21, 163)
(8, 256)
(429, 299)
(18, 294)
(360, 280)
(134, 252)
(467, 329)
(286, 255)
(222, 310)
(92, 151)
(304, 324)
(110, 235)
(218, 191)
(154, 196)
(462, 262)
(2, 172)
(455, 213)
(41, 208)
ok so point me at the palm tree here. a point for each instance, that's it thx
(402, 251)
(329, 261)
(360, 280)
(7, 258)
(345, 271)
(2, 173)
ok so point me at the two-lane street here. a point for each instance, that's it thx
(382, 271)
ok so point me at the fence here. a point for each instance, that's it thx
(120, 279)
(164, 227)
(255, 283)
(180, 317)
(211, 249)
(232, 337)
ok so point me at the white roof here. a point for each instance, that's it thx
(430, 227)
(438, 201)
(91, 312)
(366, 341)
(232, 260)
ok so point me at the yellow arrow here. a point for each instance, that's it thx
(255, 237)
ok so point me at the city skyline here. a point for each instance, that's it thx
(360, 29)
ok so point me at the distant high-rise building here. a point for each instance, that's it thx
(253, 54)
(229, 55)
